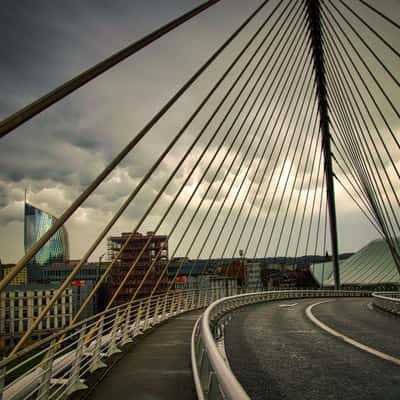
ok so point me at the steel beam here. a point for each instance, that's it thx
(314, 20)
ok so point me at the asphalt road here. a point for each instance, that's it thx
(276, 352)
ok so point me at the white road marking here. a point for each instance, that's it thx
(347, 339)
(288, 305)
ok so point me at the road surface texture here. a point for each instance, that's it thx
(276, 352)
(157, 367)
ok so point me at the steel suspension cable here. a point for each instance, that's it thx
(308, 152)
(361, 175)
(292, 163)
(221, 230)
(154, 167)
(385, 17)
(372, 222)
(371, 195)
(216, 173)
(33, 109)
(247, 218)
(204, 219)
(36, 247)
(320, 170)
(371, 97)
(204, 151)
(363, 143)
(325, 235)
(286, 157)
(308, 191)
(370, 28)
(321, 202)
(365, 140)
(238, 214)
(281, 148)
(76, 204)
(362, 40)
(359, 185)
(362, 100)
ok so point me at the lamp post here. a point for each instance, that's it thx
(241, 254)
(99, 265)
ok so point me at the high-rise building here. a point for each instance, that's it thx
(19, 307)
(36, 223)
(158, 245)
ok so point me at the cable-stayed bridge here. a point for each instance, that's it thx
(300, 101)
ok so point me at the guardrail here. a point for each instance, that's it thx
(213, 377)
(387, 301)
(57, 366)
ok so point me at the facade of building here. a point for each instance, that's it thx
(36, 223)
(234, 269)
(20, 279)
(253, 276)
(155, 249)
(81, 286)
(20, 305)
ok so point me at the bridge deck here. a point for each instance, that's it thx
(157, 367)
(278, 353)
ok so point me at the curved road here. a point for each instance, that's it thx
(277, 352)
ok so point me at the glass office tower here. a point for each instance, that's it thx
(37, 222)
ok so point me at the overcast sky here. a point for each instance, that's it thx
(56, 155)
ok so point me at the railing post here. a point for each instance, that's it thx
(74, 381)
(199, 303)
(187, 301)
(164, 308)
(204, 371)
(2, 381)
(126, 337)
(43, 392)
(193, 300)
(147, 315)
(113, 348)
(3, 372)
(214, 391)
(172, 309)
(205, 297)
(96, 358)
(156, 311)
(138, 328)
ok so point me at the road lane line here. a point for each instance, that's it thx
(288, 305)
(347, 339)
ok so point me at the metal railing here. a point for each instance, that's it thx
(57, 366)
(387, 301)
(212, 375)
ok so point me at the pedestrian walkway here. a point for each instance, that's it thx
(158, 366)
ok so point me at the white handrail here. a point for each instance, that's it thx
(103, 335)
(214, 380)
(387, 301)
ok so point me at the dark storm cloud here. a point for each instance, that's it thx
(60, 152)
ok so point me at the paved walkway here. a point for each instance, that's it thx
(158, 366)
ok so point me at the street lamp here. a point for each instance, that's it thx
(241, 254)
(99, 265)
